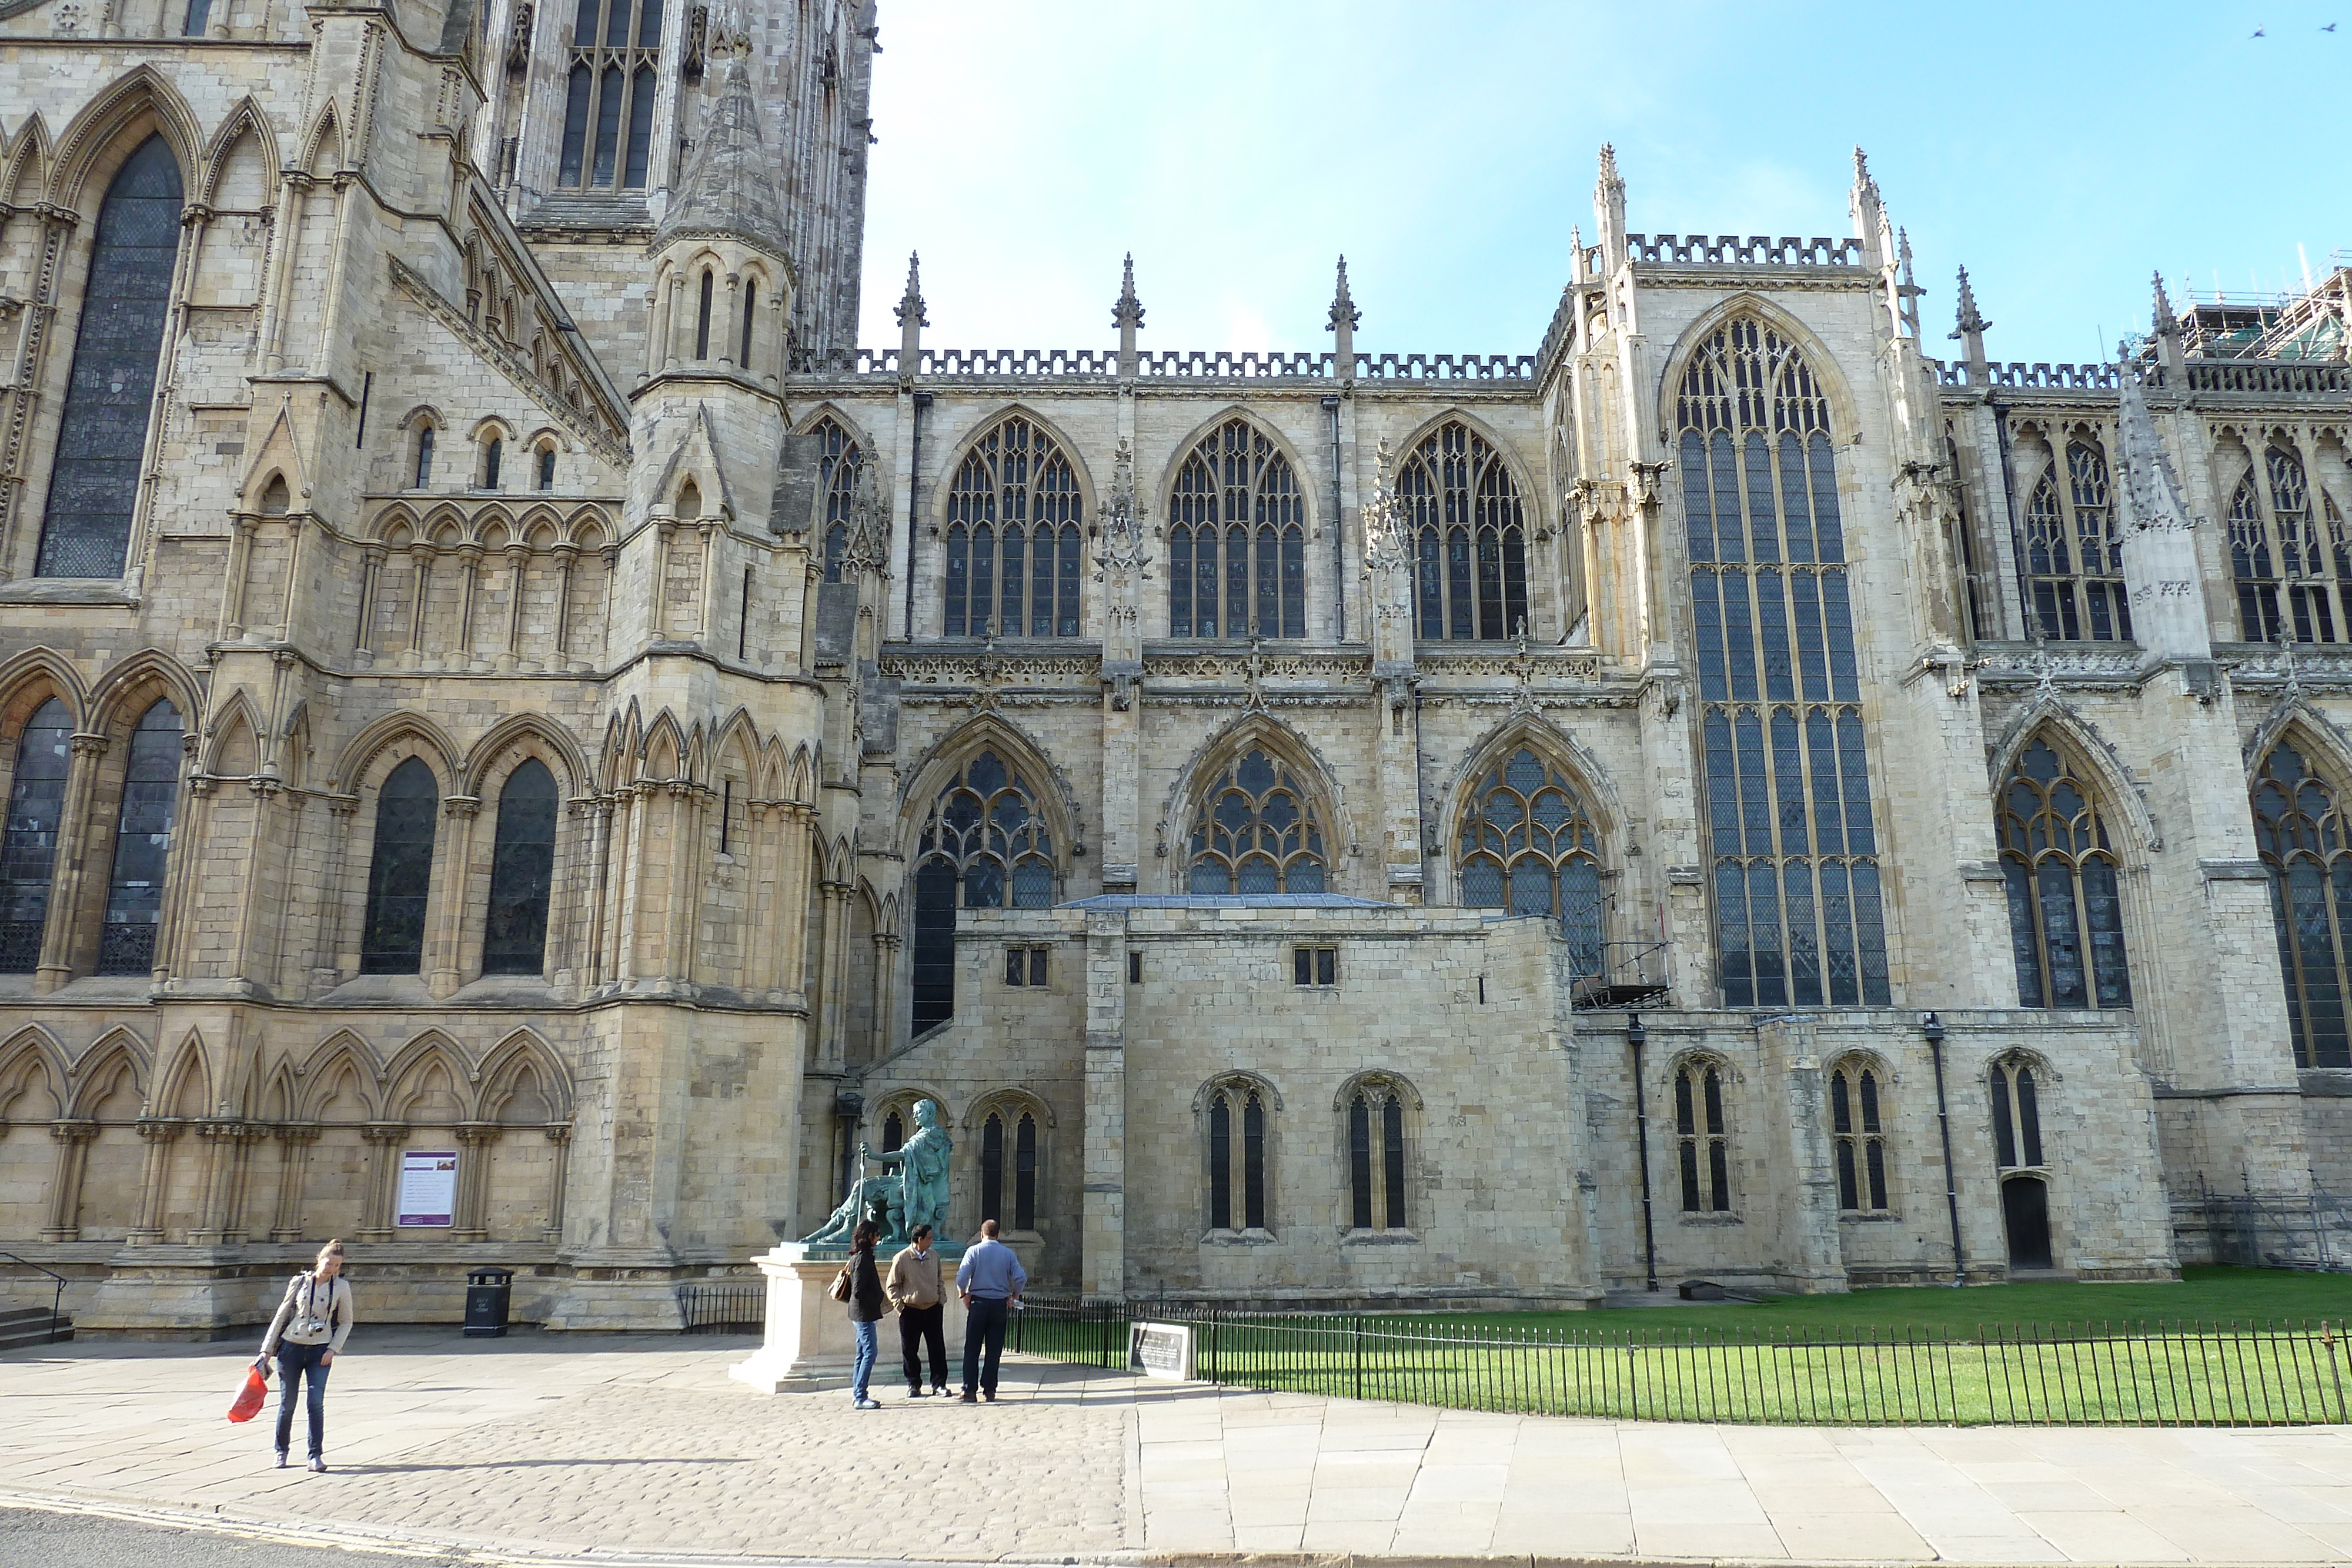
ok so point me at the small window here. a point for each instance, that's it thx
(1858, 1132)
(1021, 1212)
(2016, 1116)
(1376, 1157)
(424, 474)
(1314, 966)
(494, 454)
(547, 468)
(1704, 1149)
(1135, 968)
(894, 1131)
(1024, 965)
(1237, 1157)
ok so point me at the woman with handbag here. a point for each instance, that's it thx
(308, 1331)
(866, 1306)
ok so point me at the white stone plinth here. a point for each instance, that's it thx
(810, 1342)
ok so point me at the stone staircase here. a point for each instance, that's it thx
(21, 1326)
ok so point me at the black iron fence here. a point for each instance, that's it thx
(2152, 1373)
(724, 1306)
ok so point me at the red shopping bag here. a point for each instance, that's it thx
(250, 1399)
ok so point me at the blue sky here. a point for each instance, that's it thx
(2061, 152)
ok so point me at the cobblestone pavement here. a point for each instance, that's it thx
(552, 1448)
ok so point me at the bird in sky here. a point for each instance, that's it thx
(2329, 28)
(2255, 34)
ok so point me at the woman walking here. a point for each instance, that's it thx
(311, 1325)
(866, 1308)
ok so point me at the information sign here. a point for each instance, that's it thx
(1160, 1350)
(428, 1187)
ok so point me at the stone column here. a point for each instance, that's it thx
(73, 1140)
(565, 555)
(371, 584)
(833, 976)
(250, 966)
(475, 1141)
(421, 554)
(240, 560)
(444, 947)
(793, 905)
(685, 883)
(734, 320)
(376, 1215)
(470, 584)
(518, 569)
(294, 1143)
(179, 897)
(336, 896)
(559, 1136)
(1102, 1261)
(880, 1033)
(73, 856)
(222, 1141)
(154, 1178)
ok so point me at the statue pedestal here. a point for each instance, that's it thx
(810, 1340)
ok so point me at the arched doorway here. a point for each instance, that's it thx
(2025, 1214)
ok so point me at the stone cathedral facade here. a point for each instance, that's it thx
(491, 670)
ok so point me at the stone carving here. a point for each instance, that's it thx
(916, 1193)
(1122, 532)
(1385, 547)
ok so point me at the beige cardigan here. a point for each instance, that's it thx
(336, 1309)
(914, 1282)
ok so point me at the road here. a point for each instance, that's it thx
(33, 1539)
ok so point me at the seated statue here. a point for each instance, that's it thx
(914, 1193)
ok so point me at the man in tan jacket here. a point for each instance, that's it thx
(914, 1288)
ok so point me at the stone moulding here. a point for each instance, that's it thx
(415, 287)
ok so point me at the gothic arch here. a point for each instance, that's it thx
(322, 1075)
(185, 1087)
(322, 144)
(24, 162)
(125, 692)
(2081, 741)
(1172, 467)
(503, 746)
(2296, 720)
(800, 776)
(369, 755)
(32, 678)
(1009, 1099)
(1261, 730)
(36, 1046)
(1540, 734)
(411, 1070)
(245, 119)
(855, 428)
(1385, 1079)
(943, 481)
(107, 130)
(944, 762)
(524, 1055)
(1828, 376)
(1241, 1076)
(232, 738)
(99, 1073)
(1531, 494)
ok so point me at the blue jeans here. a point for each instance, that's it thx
(983, 1332)
(295, 1362)
(863, 1372)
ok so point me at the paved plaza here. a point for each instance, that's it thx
(613, 1449)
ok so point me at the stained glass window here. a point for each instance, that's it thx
(1237, 539)
(522, 868)
(1014, 547)
(1258, 831)
(2293, 571)
(2299, 826)
(1702, 1146)
(109, 392)
(399, 874)
(615, 45)
(838, 463)
(1797, 909)
(2065, 908)
(28, 852)
(1237, 1179)
(1012, 1204)
(1528, 846)
(2074, 554)
(985, 840)
(1376, 1195)
(143, 844)
(1858, 1131)
(1470, 567)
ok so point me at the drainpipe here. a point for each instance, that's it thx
(1933, 1028)
(1636, 1034)
(1338, 541)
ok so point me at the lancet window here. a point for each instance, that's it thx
(2016, 1115)
(2074, 555)
(28, 851)
(1237, 539)
(1015, 557)
(1702, 1141)
(1376, 1181)
(110, 390)
(1008, 1168)
(1258, 831)
(1797, 906)
(400, 871)
(608, 105)
(523, 870)
(1470, 561)
(142, 842)
(2300, 829)
(2293, 570)
(2065, 908)
(838, 462)
(1858, 1131)
(983, 846)
(1527, 845)
(1236, 1157)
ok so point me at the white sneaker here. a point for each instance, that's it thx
(868, 1404)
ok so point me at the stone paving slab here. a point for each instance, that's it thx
(627, 1449)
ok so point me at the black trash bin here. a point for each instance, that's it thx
(488, 1293)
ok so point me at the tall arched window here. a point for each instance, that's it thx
(29, 852)
(494, 454)
(1236, 1157)
(984, 846)
(1470, 561)
(1008, 1188)
(751, 315)
(399, 874)
(2016, 1147)
(547, 468)
(838, 463)
(1701, 1144)
(1527, 845)
(1797, 909)
(2293, 571)
(142, 842)
(1376, 1180)
(1237, 539)
(2074, 554)
(616, 45)
(422, 477)
(522, 868)
(109, 392)
(2065, 903)
(1858, 1129)
(1258, 831)
(2299, 825)
(1014, 547)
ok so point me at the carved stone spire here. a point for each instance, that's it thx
(1609, 209)
(911, 319)
(2161, 566)
(1906, 288)
(1127, 315)
(1969, 330)
(2166, 326)
(1868, 210)
(729, 186)
(1345, 318)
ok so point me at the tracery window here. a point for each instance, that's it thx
(110, 390)
(2293, 584)
(1237, 539)
(2065, 905)
(400, 871)
(29, 852)
(522, 869)
(1236, 1157)
(1470, 565)
(1527, 845)
(1012, 1204)
(1013, 545)
(142, 842)
(1376, 1181)
(984, 846)
(2074, 555)
(2300, 829)
(1798, 907)
(616, 47)
(1258, 831)
(1702, 1147)
(838, 463)
(1858, 1130)
(2016, 1115)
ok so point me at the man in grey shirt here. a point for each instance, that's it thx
(988, 1279)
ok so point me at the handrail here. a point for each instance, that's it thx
(57, 1297)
